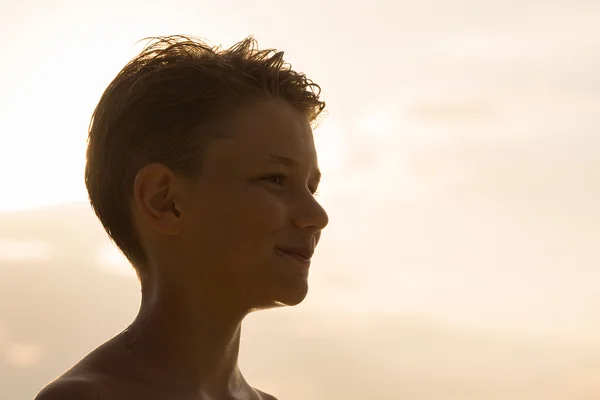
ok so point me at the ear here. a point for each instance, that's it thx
(155, 194)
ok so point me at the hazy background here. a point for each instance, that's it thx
(461, 159)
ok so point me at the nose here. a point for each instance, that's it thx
(309, 215)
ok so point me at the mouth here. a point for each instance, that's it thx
(301, 256)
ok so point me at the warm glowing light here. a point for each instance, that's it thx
(23, 355)
(330, 146)
(377, 123)
(112, 261)
(16, 250)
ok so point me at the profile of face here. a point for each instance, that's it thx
(245, 230)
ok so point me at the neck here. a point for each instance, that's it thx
(188, 343)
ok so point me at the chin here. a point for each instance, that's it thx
(292, 301)
(293, 297)
(279, 293)
(282, 298)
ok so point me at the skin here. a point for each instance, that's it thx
(213, 247)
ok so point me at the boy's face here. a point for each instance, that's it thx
(252, 205)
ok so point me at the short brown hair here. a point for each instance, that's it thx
(163, 107)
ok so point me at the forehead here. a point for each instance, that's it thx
(265, 129)
(272, 122)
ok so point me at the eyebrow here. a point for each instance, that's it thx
(290, 163)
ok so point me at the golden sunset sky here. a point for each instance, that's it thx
(461, 162)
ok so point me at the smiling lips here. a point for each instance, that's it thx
(299, 254)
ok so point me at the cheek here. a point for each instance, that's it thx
(246, 222)
(261, 215)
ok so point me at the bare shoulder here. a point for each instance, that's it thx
(73, 388)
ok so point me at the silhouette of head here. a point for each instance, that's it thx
(202, 168)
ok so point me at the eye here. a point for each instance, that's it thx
(277, 179)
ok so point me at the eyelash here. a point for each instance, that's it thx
(283, 178)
